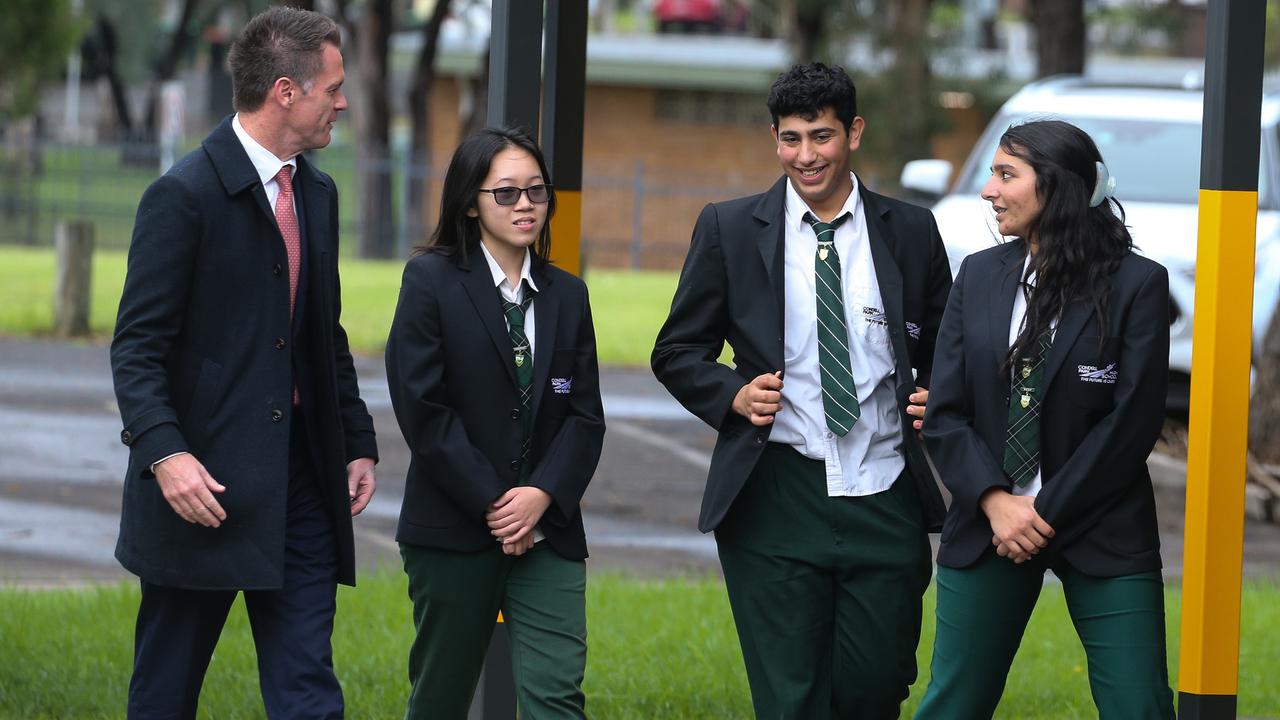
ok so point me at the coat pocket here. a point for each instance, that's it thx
(204, 398)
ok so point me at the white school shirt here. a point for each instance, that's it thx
(516, 295)
(869, 457)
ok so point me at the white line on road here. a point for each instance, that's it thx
(57, 531)
(698, 459)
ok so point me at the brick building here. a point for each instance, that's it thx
(672, 123)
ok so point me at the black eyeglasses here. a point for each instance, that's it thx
(511, 195)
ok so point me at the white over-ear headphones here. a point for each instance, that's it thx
(1104, 188)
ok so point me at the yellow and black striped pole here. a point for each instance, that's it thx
(1220, 360)
(520, 61)
(563, 108)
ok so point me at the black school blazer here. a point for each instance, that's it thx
(453, 388)
(731, 290)
(1102, 411)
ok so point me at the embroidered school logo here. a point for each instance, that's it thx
(1094, 374)
(874, 316)
(561, 386)
(913, 329)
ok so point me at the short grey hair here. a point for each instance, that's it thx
(278, 42)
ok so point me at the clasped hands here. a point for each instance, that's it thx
(1019, 531)
(514, 515)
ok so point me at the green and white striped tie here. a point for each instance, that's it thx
(522, 356)
(839, 396)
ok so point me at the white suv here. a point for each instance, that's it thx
(1150, 140)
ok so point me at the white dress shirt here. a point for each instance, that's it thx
(516, 295)
(869, 458)
(265, 162)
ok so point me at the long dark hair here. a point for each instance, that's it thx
(456, 233)
(1078, 248)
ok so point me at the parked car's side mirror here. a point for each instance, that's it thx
(926, 177)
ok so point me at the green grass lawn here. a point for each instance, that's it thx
(658, 649)
(628, 306)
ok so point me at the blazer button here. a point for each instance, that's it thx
(276, 269)
(515, 465)
(126, 437)
(279, 343)
(277, 415)
(515, 413)
(759, 439)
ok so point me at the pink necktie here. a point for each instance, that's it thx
(287, 221)
(288, 224)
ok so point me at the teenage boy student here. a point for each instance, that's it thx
(819, 493)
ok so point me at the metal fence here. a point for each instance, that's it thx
(635, 217)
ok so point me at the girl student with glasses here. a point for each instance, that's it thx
(510, 195)
(1049, 382)
(491, 364)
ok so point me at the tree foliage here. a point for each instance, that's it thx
(1060, 36)
(35, 38)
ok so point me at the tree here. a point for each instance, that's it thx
(812, 28)
(184, 34)
(1264, 408)
(373, 165)
(475, 113)
(370, 40)
(35, 39)
(424, 77)
(1059, 26)
(911, 104)
(100, 51)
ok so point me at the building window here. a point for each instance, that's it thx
(710, 107)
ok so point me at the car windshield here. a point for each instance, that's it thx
(1152, 160)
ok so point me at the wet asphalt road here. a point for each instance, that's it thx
(62, 464)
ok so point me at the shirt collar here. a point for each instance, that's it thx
(264, 161)
(1026, 264)
(500, 277)
(797, 207)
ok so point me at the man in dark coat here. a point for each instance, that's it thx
(250, 449)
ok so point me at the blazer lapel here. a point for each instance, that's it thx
(546, 314)
(769, 217)
(1004, 286)
(1072, 322)
(313, 198)
(315, 205)
(771, 213)
(478, 283)
(233, 166)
